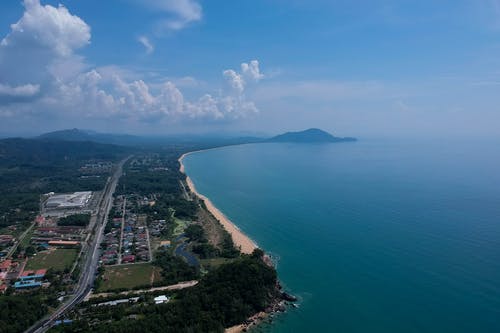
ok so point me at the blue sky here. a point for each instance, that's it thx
(360, 68)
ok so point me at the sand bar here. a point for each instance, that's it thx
(241, 240)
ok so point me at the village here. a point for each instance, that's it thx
(54, 240)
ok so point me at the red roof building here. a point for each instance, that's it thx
(128, 258)
(63, 243)
(5, 265)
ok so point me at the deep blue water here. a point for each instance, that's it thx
(373, 236)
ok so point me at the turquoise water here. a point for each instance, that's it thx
(373, 236)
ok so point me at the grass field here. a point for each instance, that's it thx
(215, 262)
(58, 259)
(129, 276)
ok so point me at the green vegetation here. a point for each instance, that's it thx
(20, 312)
(195, 233)
(224, 297)
(174, 269)
(78, 220)
(125, 277)
(57, 259)
(29, 168)
(232, 288)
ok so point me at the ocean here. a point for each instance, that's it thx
(377, 235)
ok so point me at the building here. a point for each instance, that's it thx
(61, 243)
(165, 243)
(68, 201)
(27, 284)
(6, 240)
(30, 275)
(128, 258)
(161, 299)
(5, 265)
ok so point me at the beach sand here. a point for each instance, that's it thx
(240, 240)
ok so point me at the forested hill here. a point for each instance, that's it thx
(308, 136)
(17, 151)
(187, 141)
(76, 134)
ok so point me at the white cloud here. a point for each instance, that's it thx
(44, 39)
(235, 80)
(49, 28)
(252, 70)
(27, 90)
(146, 43)
(43, 75)
(249, 72)
(179, 13)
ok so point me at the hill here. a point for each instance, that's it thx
(16, 152)
(312, 135)
(171, 140)
(76, 134)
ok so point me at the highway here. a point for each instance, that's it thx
(89, 269)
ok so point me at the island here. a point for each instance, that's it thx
(312, 135)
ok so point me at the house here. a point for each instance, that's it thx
(128, 258)
(165, 243)
(6, 240)
(3, 288)
(5, 265)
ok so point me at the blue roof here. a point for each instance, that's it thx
(32, 277)
(27, 284)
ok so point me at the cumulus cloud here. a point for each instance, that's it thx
(59, 83)
(48, 28)
(146, 43)
(251, 70)
(43, 37)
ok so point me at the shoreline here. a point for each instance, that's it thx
(247, 246)
(240, 240)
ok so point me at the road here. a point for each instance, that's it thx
(177, 286)
(89, 269)
(19, 241)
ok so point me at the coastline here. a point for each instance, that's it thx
(246, 246)
(240, 240)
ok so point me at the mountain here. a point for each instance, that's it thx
(311, 135)
(147, 141)
(76, 134)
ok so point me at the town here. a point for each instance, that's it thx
(117, 236)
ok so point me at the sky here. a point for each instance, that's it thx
(354, 68)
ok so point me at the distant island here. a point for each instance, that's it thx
(312, 135)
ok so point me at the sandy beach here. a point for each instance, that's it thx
(241, 240)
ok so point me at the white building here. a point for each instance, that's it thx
(161, 299)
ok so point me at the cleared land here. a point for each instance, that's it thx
(180, 226)
(58, 259)
(214, 262)
(129, 277)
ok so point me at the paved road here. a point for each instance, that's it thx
(89, 269)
